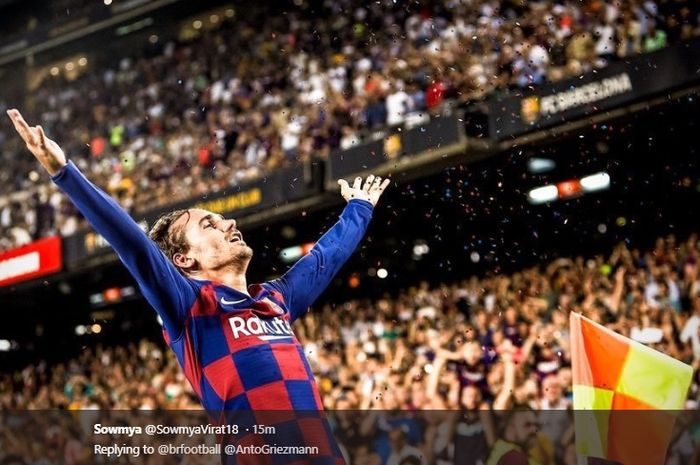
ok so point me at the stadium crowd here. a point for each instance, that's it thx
(258, 93)
(480, 346)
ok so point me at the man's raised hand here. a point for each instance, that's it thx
(44, 149)
(371, 190)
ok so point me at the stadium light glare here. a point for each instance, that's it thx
(420, 249)
(214, 19)
(382, 273)
(288, 232)
(543, 194)
(54, 71)
(107, 2)
(5, 345)
(569, 188)
(197, 24)
(112, 294)
(596, 182)
(70, 66)
(230, 13)
(79, 330)
(82, 61)
(540, 165)
(96, 328)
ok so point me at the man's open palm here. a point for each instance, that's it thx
(44, 149)
(371, 190)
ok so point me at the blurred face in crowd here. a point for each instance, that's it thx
(494, 377)
(696, 304)
(511, 316)
(497, 337)
(471, 398)
(565, 377)
(482, 320)
(559, 319)
(363, 454)
(397, 439)
(343, 403)
(551, 388)
(214, 242)
(418, 395)
(390, 400)
(473, 353)
(522, 428)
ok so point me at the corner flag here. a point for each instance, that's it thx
(625, 395)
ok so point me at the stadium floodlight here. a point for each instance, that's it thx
(570, 188)
(382, 273)
(291, 254)
(540, 165)
(294, 253)
(420, 249)
(543, 194)
(5, 345)
(595, 182)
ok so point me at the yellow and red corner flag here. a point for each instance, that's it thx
(631, 392)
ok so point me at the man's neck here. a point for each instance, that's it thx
(233, 279)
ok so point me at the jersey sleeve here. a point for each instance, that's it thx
(170, 293)
(308, 278)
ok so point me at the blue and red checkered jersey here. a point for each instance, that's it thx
(237, 350)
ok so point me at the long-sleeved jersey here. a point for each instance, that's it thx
(238, 352)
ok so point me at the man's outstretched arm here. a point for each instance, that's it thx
(163, 286)
(310, 276)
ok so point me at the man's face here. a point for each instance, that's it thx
(214, 242)
(565, 377)
(551, 388)
(524, 428)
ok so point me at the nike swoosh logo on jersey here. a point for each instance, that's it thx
(231, 302)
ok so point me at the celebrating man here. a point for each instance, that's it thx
(233, 340)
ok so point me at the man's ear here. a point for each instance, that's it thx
(183, 262)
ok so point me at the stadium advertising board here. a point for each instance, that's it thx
(614, 86)
(391, 144)
(275, 189)
(31, 261)
(280, 187)
(85, 246)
